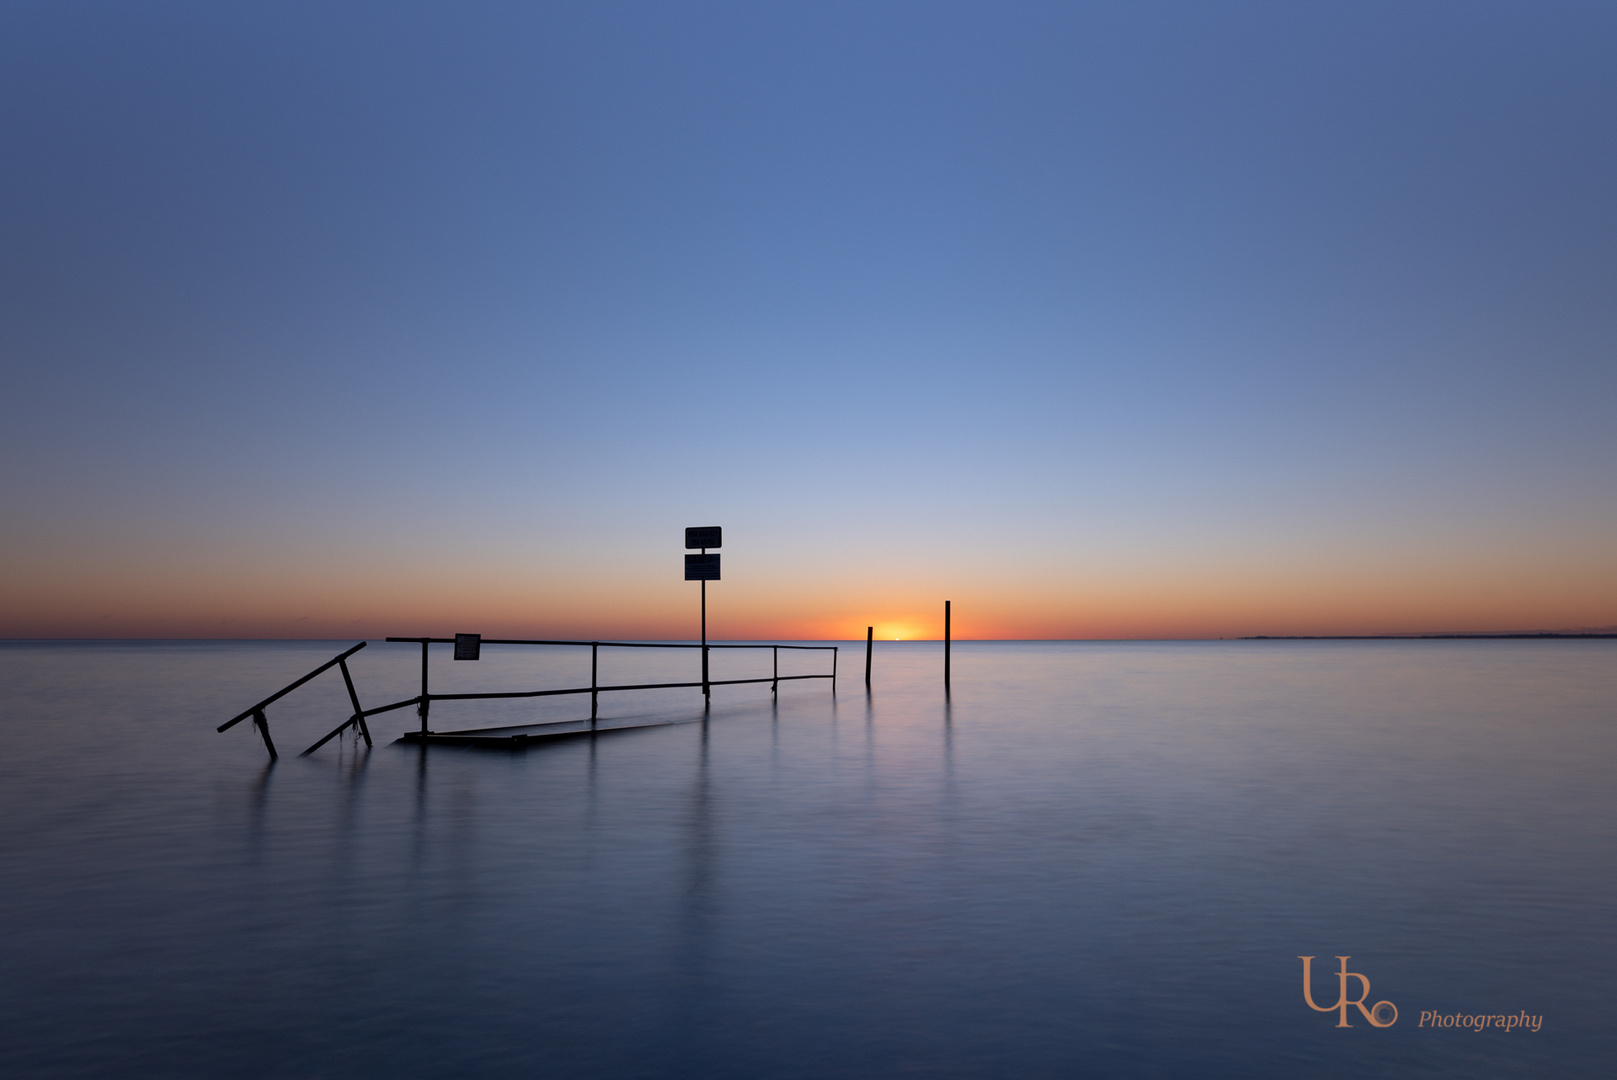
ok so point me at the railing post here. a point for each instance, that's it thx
(833, 670)
(595, 693)
(774, 687)
(359, 713)
(422, 709)
(262, 725)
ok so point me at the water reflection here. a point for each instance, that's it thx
(418, 847)
(870, 748)
(693, 942)
(258, 791)
(774, 735)
(1057, 881)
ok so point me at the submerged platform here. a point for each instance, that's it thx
(523, 736)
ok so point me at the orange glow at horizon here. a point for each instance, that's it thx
(646, 602)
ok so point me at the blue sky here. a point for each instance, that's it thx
(1103, 319)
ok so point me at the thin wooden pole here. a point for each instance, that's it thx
(946, 642)
(870, 636)
(595, 693)
(774, 687)
(707, 690)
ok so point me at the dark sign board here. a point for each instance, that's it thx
(467, 646)
(704, 536)
(702, 567)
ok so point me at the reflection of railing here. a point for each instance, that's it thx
(424, 700)
(357, 719)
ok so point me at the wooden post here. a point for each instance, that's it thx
(595, 693)
(946, 637)
(774, 686)
(870, 636)
(707, 691)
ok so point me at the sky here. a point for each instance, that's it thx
(1099, 320)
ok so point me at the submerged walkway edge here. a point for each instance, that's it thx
(496, 738)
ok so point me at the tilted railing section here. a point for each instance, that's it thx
(356, 719)
(423, 701)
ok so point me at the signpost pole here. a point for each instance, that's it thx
(703, 568)
(707, 691)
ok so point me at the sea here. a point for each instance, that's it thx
(1083, 859)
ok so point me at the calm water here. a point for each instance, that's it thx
(1097, 860)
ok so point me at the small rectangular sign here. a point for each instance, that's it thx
(467, 646)
(704, 536)
(701, 568)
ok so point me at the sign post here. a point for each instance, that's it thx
(703, 568)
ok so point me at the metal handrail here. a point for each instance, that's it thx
(423, 701)
(285, 690)
(614, 644)
(261, 722)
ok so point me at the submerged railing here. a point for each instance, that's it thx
(261, 722)
(423, 701)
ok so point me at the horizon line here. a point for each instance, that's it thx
(1411, 636)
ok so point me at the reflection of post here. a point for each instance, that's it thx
(946, 636)
(256, 809)
(950, 802)
(693, 976)
(419, 847)
(870, 636)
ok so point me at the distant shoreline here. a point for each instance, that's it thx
(1414, 637)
